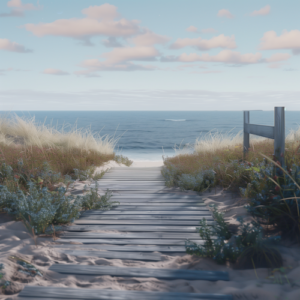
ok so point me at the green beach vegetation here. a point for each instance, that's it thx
(271, 192)
(37, 165)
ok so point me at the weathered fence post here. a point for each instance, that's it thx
(279, 139)
(276, 132)
(246, 135)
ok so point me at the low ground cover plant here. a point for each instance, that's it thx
(38, 164)
(247, 249)
(272, 193)
(37, 206)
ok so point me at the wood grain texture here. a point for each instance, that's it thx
(168, 242)
(59, 293)
(137, 248)
(115, 254)
(146, 217)
(130, 235)
(132, 228)
(174, 213)
(139, 272)
(84, 221)
(161, 207)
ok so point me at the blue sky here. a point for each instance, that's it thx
(149, 55)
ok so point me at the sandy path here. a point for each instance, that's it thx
(15, 241)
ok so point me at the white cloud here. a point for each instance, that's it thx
(275, 65)
(192, 29)
(7, 45)
(220, 41)
(120, 59)
(205, 30)
(87, 27)
(209, 30)
(278, 57)
(104, 12)
(111, 42)
(262, 12)
(55, 72)
(18, 8)
(287, 40)
(225, 13)
(149, 38)
(225, 56)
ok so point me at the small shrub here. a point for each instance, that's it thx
(259, 255)
(223, 247)
(197, 182)
(92, 200)
(37, 206)
(274, 199)
(120, 159)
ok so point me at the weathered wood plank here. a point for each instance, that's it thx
(156, 196)
(146, 217)
(59, 293)
(157, 201)
(115, 254)
(139, 272)
(158, 208)
(127, 182)
(135, 228)
(158, 179)
(147, 212)
(84, 221)
(130, 235)
(159, 204)
(138, 248)
(167, 242)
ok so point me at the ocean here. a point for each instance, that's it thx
(148, 135)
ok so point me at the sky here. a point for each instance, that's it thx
(149, 55)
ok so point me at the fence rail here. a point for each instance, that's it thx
(276, 132)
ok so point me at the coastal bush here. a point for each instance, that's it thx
(120, 159)
(222, 246)
(39, 207)
(92, 200)
(197, 182)
(274, 195)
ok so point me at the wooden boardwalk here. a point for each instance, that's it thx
(149, 221)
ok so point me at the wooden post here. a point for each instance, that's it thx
(279, 132)
(246, 134)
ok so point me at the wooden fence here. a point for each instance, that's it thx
(276, 132)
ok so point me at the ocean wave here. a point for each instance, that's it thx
(176, 120)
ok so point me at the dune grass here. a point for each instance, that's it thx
(37, 165)
(272, 194)
(35, 143)
(223, 152)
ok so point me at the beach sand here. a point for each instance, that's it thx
(244, 284)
